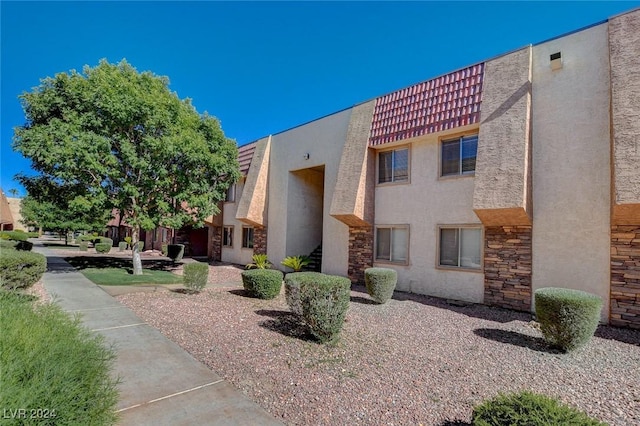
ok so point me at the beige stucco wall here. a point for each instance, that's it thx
(571, 173)
(235, 254)
(323, 140)
(14, 206)
(624, 42)
(502, 183)
(423, 204)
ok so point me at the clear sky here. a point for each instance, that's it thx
(263, 67)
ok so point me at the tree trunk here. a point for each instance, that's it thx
(137, 262)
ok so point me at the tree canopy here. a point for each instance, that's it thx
(117, 138)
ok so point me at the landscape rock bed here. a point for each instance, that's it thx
(414, 360)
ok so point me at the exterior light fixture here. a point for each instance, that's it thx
(306, 156)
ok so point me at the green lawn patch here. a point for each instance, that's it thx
(117, 271)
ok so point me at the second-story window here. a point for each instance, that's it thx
(458, 156)
(393, 166)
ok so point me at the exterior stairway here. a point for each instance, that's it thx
(316, 260)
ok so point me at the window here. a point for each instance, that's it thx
(231, 194)
(247, 237)
(460, 247)
(392, 243)
(458, 156)
(393, 166)
(227, 236)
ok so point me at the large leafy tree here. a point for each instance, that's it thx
(122, 139)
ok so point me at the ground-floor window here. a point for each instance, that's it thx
(247, 237)
(392, 243)
(227, 236)
(460, 247)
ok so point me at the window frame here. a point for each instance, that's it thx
(459, 138)
(247, 229)
(459, 227)
(231, 199)
(375, 244)
(224, 228)
(393, 150)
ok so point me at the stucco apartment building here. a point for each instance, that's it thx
(480, 185)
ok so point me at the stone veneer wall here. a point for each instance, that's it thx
(260, 240)
(216, 239)
(360, 252)
(507, 267)
(625, 276)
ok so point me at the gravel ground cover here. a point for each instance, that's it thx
(415, 360)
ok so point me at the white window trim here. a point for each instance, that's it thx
(395, 148)
(232, 235)
(375, 244)
(460, 268)
(252, 240)
(449, 139)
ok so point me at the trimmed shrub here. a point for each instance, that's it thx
(7, 244)
(87, 238)
(105, 240)
(528, 409)
(103, 248)
(21, 269)
(380, 283)
(325, 300)
(195, 276)
(140, 245)
(51, 362)
(83, 245)
(292, 283)
(568, 318)
(262, 283)
(14, 235)
(164, 248)
(33, 234)
(175, 252)
(122, 246)
(24, 246)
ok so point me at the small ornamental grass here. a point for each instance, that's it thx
(53, 366)
(292, 283)
(262, 283)
(380, 283)
(195, 276)
(568, 318)
(325, 300)
(20, 269)
(175, 252)
(528, 409)
(103, 248)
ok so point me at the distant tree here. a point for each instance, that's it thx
(122, 139)
(62, 217)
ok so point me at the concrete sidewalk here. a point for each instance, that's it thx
(161, 384)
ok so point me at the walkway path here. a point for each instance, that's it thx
(161, 384)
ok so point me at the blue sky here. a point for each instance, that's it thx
(263, 67)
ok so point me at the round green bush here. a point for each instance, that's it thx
(103, 248)
(122, 246)
(568, 318)
(262, 283)
(292, 283)
(83, 245)
(325, 300)
(528, 409)
(105, 240)
(195, 276)
(21, 269)
(380, 283)
(175, 252)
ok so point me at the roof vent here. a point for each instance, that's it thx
(556, 61)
